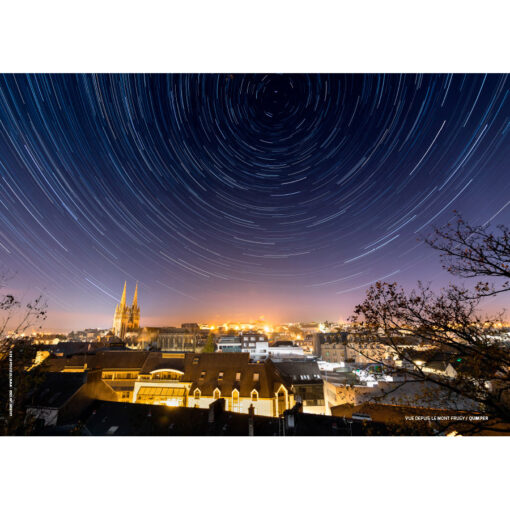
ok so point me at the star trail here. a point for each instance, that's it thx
(234, 196)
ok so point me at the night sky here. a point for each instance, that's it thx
(230, 197)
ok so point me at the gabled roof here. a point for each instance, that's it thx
(230, 364)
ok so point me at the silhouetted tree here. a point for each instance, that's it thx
(450, 322)
(17, 355)
(475, 252)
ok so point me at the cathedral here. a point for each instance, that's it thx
(126, 318)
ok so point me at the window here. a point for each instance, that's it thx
(196, 360)
(235, 402)
(196, 394)
(254, 396)
(216, 394)
(202, 375)
(220, 376)
(256, 377)
(238, 376)
(167, 375)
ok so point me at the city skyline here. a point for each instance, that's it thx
(235, 197)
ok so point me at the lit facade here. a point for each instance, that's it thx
(126, 317)
(188, 379)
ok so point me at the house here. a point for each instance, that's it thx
(305, 382)
(61, 396)
(187, 379)
(239, 381)
(119, 369)
(256, 344)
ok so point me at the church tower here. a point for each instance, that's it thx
(121, 317)
(134, 312)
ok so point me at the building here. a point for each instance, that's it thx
(357, 352)
(119, 369)
(229, 344)
(305, 381)
(126, 318)
(285, 349)
(309, 328)
(175, 339)
(192, 327)
(315, 341)
(60, 396)
(233, 377)
(333, 352)
(424, 394)
(256, 344)
(166, 339)
(186, 379)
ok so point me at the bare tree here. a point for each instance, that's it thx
(475, 252)
(450, 323)
(17, 354)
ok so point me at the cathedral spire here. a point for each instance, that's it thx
(123, 298)
(135, 296)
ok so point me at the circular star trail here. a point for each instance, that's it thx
(238, 195)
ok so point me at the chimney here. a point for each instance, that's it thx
(251, 420)
(215, 409)
(289, 418)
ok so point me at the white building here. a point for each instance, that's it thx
(256, 344)
(285, 349)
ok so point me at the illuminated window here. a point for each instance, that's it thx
(195, 360)
(220, 376)
(238, 376)
(202, 375)
(256, 377)
(235, 402)
(216, 394)
(197, 394)
(167, 375)
(254, 396)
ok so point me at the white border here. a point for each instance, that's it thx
(260, 36)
